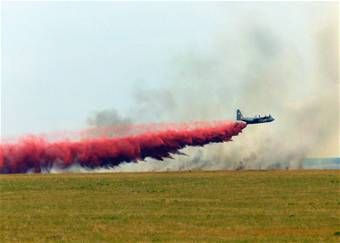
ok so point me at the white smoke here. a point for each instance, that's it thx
(285, 64)
(264, 65)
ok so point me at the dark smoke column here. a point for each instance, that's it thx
(36, 154)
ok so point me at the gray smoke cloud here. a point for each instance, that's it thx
(108, 117)
(107, 123)
(264, 65)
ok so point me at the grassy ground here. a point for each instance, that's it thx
(191, 206)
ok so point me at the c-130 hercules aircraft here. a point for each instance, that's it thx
(253, 120)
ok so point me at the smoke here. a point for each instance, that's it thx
(34, 154)
(106, 123)
(287, 67)
(266, 58)
(107, 117)
(152, 104)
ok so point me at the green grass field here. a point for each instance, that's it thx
(248, 206)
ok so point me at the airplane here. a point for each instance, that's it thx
(253, 120)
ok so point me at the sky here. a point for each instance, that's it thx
(62, 61)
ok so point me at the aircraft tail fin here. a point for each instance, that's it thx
(238, 115)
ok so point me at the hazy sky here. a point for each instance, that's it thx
(62, 61)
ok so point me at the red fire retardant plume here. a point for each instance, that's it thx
(37, 154)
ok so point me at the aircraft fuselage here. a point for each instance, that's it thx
(253, 120)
